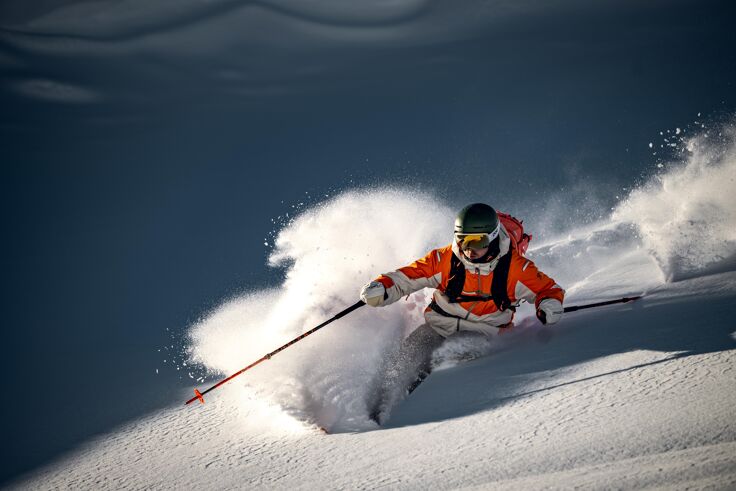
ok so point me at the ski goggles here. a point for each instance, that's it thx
(474, 241)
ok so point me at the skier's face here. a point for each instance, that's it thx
(474, 253)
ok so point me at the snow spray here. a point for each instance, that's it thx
(686, 214)
(328, 253)
(681, 223)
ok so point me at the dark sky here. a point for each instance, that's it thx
(146, 150)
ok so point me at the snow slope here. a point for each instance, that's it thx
(627, 396)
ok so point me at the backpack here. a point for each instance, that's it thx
(515, 228)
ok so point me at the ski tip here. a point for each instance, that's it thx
(198, 395)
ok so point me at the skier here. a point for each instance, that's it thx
(479, 280)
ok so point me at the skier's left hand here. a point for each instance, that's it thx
(549, 311)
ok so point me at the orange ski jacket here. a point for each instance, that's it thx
(447, 316)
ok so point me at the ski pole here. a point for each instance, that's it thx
(601, 304)
(198, 394)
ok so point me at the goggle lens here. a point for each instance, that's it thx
(473, 241)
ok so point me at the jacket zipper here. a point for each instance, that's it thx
(479, 291)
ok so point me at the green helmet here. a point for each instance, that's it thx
(477, 218)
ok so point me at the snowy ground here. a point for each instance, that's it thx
(628, 396)
(615, 398)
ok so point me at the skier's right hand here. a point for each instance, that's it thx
(373, 294)
(550, 311)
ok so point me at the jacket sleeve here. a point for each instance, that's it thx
(422, 273)
(534, 286)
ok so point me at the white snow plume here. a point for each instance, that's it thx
(328, 253)
(599, 262)
(680, 224)
(686, 216)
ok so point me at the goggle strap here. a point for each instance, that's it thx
(491, 235)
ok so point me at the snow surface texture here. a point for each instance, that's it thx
(629, 396)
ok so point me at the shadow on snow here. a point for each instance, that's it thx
(682, 328)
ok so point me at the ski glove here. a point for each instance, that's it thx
(549, 311)
(374, 293)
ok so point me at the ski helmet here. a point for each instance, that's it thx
(477, 218)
